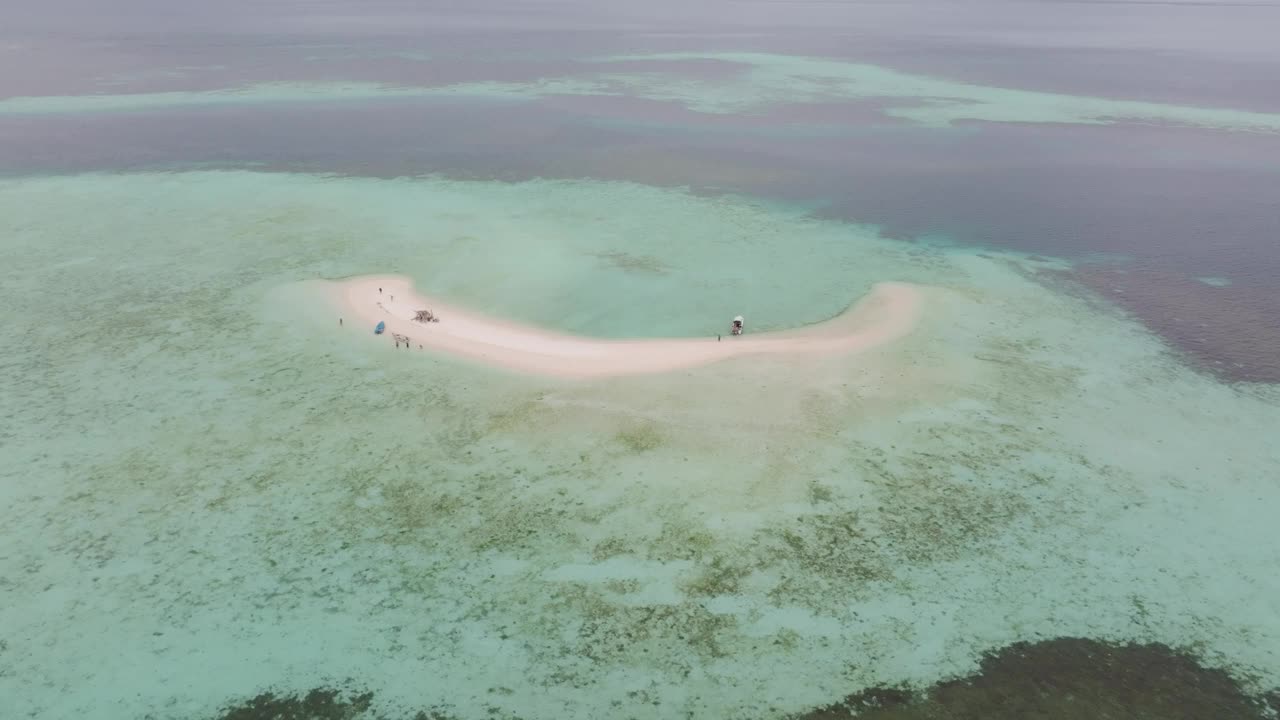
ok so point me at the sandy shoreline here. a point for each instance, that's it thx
(890, 311)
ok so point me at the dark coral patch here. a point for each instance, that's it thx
(1228, 332)
(319, 704)
(1068, 679)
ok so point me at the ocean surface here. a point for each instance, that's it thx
(216, 503)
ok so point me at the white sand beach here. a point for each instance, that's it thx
(888, 312)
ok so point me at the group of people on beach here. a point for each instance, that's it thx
(422, 316)
(427, 316)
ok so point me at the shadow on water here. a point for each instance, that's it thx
(1059, 679)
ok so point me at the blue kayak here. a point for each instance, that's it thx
(381, 326)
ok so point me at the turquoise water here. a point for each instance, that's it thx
(209, 488)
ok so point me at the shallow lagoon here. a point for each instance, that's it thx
(211, 489)
(1053, 499)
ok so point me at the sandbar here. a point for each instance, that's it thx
(888, 312)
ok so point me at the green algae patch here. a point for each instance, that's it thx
(627, 262)
(639, 438)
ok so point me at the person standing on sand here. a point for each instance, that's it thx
(379, 291)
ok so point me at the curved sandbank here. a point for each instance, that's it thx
(887, 313)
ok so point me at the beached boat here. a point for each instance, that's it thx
(380, 327)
